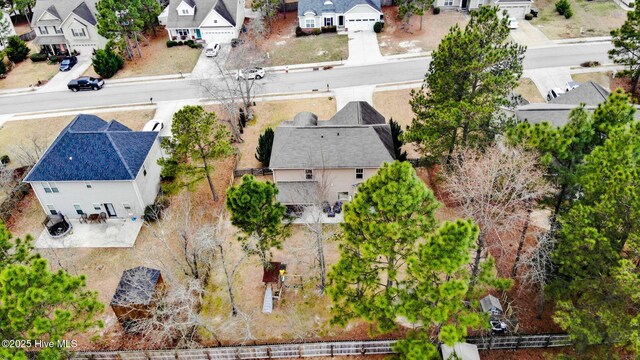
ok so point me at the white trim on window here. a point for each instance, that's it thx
(43, 30)
(359, 173)
(309, 23)
(328, 21)
(50, 187)
(448, 3)
(308, 174)
(52, 209)
(78, 209)
(78, 32)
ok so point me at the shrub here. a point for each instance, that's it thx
(106, 62)
(38, 57)
(180, 43)
(562, 6)
(56, 58)
(329, 29)
(190, 42)
(152, 213)
(436, 10)
(317, 31)
(631, 4)
(17, 50)
(528, 17)
(171, 43)
(195, 46)
(265, 144)
(590, 64)
(4, 159)
(169, 170)
(300, 32)
(568, 13)
(3, 69)
(377, 27)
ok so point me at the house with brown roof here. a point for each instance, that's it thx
(209, 21)
(316, 160)
(62, 26)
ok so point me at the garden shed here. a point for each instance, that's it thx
(491, 304)
(137, 292)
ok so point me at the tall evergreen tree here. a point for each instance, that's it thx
(626, 47)
(470, 76)
(265, 144)
(198, 139)
(396, 135)
(121, 22)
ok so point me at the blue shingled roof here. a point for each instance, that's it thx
(90, 148)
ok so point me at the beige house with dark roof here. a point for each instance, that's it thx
(209, 21)
(316, 161)
(62, 26)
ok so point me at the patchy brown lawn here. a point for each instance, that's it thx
(270, 114)
(593, 18)
(395, 104)
(158, 59)
(395, 40)
(528, 90)
(27, 74)
(601, 78)
(18, 134)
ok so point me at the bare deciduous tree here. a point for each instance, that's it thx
(29, 152)
(494, 188)
(538, 267)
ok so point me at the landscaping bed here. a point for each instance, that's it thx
(593, 18)
(395, 40)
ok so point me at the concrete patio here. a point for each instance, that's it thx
(311, 214)
(113, 233)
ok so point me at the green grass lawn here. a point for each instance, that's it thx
(309, 49)
(590, 18)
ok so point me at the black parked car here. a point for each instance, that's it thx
(85, 83)
(68, 62)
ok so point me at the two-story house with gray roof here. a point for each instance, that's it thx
(5, 20)
(62, 26)
(209, 21)
(94, 167)
(326, 160)
(350, 15)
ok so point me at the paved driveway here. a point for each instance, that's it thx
(206, 66)
(529, 35)
(60, 81)
(546, 79)
(363, 48)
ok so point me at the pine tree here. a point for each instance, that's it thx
(471, 75)
(626, 47)
(198, 139)
(120, 21)
(265, 144)
(255, 211)
(396, 135)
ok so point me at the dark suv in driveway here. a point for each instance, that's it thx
(85, 83)
(68, 62)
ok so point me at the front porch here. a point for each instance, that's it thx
(114, 233)
(52, 45)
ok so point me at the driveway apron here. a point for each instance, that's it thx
(363, 48)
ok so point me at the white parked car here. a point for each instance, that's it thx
(571, 85)
(554, 93)
(512, 23)
(153, 125)
(212, 50)
(250, 74)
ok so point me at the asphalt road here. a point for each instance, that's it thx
(390, 72)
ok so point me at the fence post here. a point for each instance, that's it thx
(518, 342)
(491, 342)
(546, 345)
(331, 348)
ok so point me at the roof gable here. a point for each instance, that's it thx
(589, 93)
(85, 14)
(50, 14)
(89, 149)
(61, 10)
(203, 8)
(357, 113)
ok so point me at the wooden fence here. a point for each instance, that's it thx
(303, 350)
(252, 171)
(28, 36)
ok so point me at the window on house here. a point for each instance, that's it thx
(88, 185)
(78, 209)
(43, 30)
(52, 209)
(78, 33)
(97, 207)
(310, 23)
(50, 187)
(328, 21)
(126, 206)
(58, 31)
(182, 32)
(448, 2)
(308, 174)
(215, 21)
(343, 196)
(185, 11)
(359, 173)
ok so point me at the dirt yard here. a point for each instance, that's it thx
(528, 90)
(21, 134)
(284, 48)
(395, 40)
(158, 59)
(270, 114)
(590, 18)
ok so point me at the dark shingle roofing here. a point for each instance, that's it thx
(555, 114)
(356, 136)
(136, 287)
(90, 148)
(52, 10)
(335, 6)
(588, 93)
(226, 8)
(84, 13)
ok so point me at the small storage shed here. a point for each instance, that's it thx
(491, 304)
(463, 351)
(137, 292)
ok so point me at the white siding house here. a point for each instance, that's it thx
(350, 15)
(314, 159)
(5, 20)
(63, 26)
(209, 21)
(96, 166)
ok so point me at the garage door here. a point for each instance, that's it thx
(357, 22)
(514, 11)
(217, 36)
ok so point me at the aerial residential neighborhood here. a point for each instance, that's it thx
(349, 179)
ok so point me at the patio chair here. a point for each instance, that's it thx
(84, 218)
(103, 217)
